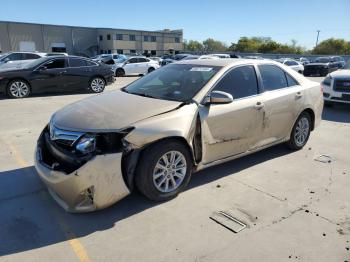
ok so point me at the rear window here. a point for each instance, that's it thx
(76, 62)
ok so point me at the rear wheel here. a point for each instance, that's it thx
(18, 89)
(300, 132)
(97, 84)
(120, 72)
(164, 170)
(151, 69)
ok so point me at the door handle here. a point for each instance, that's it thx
(62, 72)
(298, 95)
(259, 105)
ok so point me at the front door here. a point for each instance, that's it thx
(231, 129)
(50, 76)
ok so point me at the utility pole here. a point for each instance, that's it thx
(318, 34)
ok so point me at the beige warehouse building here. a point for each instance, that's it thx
(87, 41)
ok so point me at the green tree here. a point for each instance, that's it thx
(211, 45)
(193, 45)
(332, 46)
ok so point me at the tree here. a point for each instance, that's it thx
(211, 45)
(332, 46)
(193, 45)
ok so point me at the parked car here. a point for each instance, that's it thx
(336, 86)
(253, 57)
(296, 66)
(182, 118)
(157, 59)
(221, 55)
(172, 59)
(136, 65)
(321, 66)
(117, 58)
(17, 56)
(56, 54)
(303, 60)
(55, 73)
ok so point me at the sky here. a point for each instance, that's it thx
(224, 20)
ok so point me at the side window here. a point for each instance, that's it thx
(30, 56)
(290, 63)
(57, 63)
(239, 82)
(291, 81)
(90, 63)
(142, 60)
(132, 60)
(15, 56)
(273, 77)
(76, 62)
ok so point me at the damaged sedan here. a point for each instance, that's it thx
(154, 133)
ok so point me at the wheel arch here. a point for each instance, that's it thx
(132, 160)
(312, 115)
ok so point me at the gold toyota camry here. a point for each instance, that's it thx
(154, 133)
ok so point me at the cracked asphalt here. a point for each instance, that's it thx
(295, 208)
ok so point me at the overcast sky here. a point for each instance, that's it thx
(224, 20)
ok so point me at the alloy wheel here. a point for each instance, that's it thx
(169, 171)
(97, 85)
(302, 131)
(19, 89)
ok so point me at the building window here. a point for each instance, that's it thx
(153, 52)
(109, 51)
(108, 37)
(119, 37)
(120, 51)
(101, 38)
(132, 51)
(132, 38)
(153, 39)
(101, 51)
(145, 38)
(177, 39)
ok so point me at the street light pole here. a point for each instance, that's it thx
(318, 34)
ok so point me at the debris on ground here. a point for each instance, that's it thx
(324, 159)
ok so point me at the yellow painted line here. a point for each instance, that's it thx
(73, 241)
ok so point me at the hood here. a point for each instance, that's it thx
(343, 73)
(110, 111)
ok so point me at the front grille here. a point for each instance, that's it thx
(342, 85)
(63, 137)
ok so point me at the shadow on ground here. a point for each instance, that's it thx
(337, 113)
(30, 219)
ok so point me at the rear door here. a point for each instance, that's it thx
(231, 129)
(283, 100)
(142, 65)
(78, 74)
(50, 76)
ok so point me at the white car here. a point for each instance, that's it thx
(336, 87)
(221, 55)
(295, 65)
(19, 56)
(136, 65)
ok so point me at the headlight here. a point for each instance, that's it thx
(86, 144)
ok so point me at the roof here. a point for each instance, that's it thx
(223, 61)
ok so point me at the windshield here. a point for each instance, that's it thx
(176, 82)
(323, 60)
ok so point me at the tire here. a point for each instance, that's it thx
(97, 84)
(18, 89)
(303, 125)
(300, 72)
(152, 181)
(119, 72)
(151, 69)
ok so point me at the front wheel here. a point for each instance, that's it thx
(18, 89)
(164, 170)
(97, 85)
(300, 132)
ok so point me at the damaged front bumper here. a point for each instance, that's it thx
(96, 184)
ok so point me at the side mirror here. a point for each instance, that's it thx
(218, 97)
